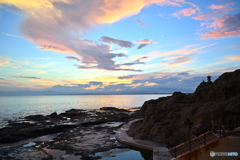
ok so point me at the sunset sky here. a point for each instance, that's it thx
(116, 46)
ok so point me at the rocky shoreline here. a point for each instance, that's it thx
(82, 134)
(183, 116)
(73, 134)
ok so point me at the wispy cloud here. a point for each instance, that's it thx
(134, 85)
(141, 23)
(16, 66)
(49, 47)
(227, 26)
(183, 74)
(119, 42)
(178, 3)
(213, 15)
(138, 61)
(187, 50)
(144, 41)
(221, 6)
(233, 58)
(5, 61)
(126, 77)
(141, 46)
(177, 62)
(185, 12)
(46, 65)
(26, 77)
(168, 59)
(150, 84)
(10, 35)
(110, 68)
(222, 24)
(160, 15)
(73, 58)
(94, 85)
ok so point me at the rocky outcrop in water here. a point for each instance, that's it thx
(74, 134)
(167, 119)
(39, 125)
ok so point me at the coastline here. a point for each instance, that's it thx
(13, 107)
(74, 133)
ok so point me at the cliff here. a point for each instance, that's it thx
(167, 119)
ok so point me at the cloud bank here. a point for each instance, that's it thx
(58, 25)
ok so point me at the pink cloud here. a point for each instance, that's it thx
(221, 6)
(59, 25)
(144, 41)
(214, 6)
(226, 26)
(185, 12)
(221, 24)
(55, 48)
(211, 15)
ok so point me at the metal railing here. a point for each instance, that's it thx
(188, 138)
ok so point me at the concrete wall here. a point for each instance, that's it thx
(225, 144)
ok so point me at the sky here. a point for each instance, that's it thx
(115, 47)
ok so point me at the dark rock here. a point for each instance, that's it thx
(38, 125)
(38, 117)
(183, 114)
(113, 109)
(74, 113)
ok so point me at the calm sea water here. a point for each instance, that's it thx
(12, 107)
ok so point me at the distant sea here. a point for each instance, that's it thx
(13, 107)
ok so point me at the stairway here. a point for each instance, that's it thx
(193, 143)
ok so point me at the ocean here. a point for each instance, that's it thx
(13, 107)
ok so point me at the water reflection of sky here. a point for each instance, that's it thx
(12, 107)
(125, 154)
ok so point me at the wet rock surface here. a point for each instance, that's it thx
(75, 134)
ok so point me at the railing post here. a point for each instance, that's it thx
(205, 139)
(212, 122)
(175, 152)
(220, 132)
(190, 145)
(223, 130)
(184, 140)
(233, 124)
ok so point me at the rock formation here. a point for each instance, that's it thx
(170, 119)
